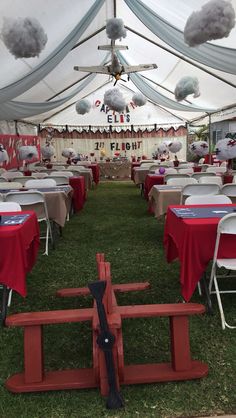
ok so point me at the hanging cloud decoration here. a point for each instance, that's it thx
(226, 149)
(47, 151)
(162, 148)
(83, 106)
(114, 99)
(199, 148)
(28, 152)
(185, 86)
(139, 99)
(175, 146)
(214, 21)
(3, 154)
(68, 153)
(24, 37)
(115, 29)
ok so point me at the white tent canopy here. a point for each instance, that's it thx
(44, 89)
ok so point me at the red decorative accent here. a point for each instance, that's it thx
(35, 378)
(11, 144)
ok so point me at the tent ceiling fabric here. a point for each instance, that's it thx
(45, 89)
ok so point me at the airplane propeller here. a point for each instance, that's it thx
(118, 77)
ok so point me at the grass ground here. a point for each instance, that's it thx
(115, 221)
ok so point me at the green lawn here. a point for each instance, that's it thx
(115, 221)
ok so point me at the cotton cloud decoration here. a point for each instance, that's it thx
(226, 149)
(23, 37)
(199, 148)
(185, 86)
(83, 106)
(68, 153)
(162, 148)
(175, 146)
(115, 29)
(47, 151)
(28, 152)
(3, 154)
(214, 21)
(114, 99)
(139, 99)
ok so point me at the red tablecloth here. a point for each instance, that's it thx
(79, 192)
(96, 172)
(192, 241)
(227, 178)
(19, 248)
(197, 169)
(151, 180)
(132, 169)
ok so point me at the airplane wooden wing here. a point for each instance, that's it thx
(137, 68)
(103, 69)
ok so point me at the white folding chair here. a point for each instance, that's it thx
(230, 191)
(227, 225)
(34, 200)
(11, 174)
(60, 180)
(10, 185)
(175, 175)
(188, 170)
(208, 199)
(217, 170)
(198, 190)
(3, 180)
(197, 176)
(22, 179)
(40, 175)
(66, 173)
(10, 207)
(211, 180)
(37, 183)
(181, 181)
(1, 197)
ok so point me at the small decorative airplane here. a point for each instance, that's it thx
(115, 69)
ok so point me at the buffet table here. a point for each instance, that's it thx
(115, 169)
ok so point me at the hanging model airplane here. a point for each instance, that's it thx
(115, 69)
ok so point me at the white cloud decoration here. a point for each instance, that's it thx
(114, 99)
(139, 99)
(162, 148)
(83, 106)
(68, 153)
(214, 21)
(3, 154)
(47, 151)
(115, 29)
(185, 86)
(28, 152)
(175, 146)
(226, 149)
(23, 37)
(199, 148)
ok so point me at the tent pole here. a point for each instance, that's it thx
(210, 138)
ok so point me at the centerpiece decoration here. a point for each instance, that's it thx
(199, 149)
(3, 155)
(48, 150)
(68, 153)
(27, 153)
(226, 150)
(175, 146)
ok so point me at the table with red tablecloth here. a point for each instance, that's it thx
(79, 192)
(19, 248)
(227, 178)
(96, 172)
(151, 180)
(192, 241)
